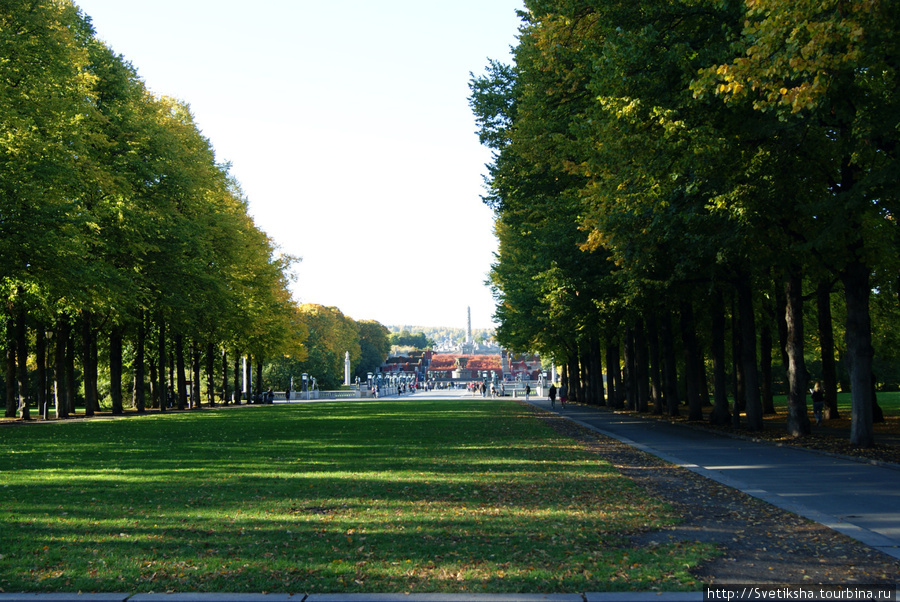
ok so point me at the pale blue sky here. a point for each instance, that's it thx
(348, 126)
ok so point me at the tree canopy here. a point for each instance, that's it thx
(115, 216)
(659, 160)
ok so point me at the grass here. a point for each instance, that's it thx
(889, 403)
(411, 496)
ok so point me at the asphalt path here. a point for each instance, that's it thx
(858, 498)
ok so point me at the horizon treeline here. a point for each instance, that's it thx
(702, 194)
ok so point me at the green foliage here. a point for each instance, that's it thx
(440, 333)
(374, 347)
(331, 336)
(113, 205)
(407, 339)
(623, 184)
(389, 497)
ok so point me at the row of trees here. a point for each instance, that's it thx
(669, 170)
(405, 338)
(438, 334)
(331, 336)
(125, 247)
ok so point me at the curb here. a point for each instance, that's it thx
(435, 597)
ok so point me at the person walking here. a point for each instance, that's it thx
(527, 391)
(563, 395)
(818, 401)
(553, 396)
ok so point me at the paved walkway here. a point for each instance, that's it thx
(857, 498)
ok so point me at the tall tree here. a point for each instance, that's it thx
(826, 67)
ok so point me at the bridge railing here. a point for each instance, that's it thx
(362, 393)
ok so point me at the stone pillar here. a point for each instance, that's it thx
(347, 368)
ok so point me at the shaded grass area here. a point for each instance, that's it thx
(888, 401)
(419, 496)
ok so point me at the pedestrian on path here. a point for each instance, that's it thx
(563, 395)
(818, 401)
(553, 396)
(527, 391)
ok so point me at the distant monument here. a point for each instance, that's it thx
(469, 346)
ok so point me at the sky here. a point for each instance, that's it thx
(347, 124)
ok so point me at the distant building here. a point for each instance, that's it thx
(463, 367)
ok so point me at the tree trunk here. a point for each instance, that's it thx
(11, 393)
(86, 371)
(720, 414)
(670, 374)
(40, 353)
(138, 396)
(597, 372)
(656, 396)
(765, 369)
(691, 362)
(195, 375)
(859, 352)
(748, 355)
(780, 313)
(162, 393)
(95, 365)
(584, 389)
(59, 366)
(618, 385)
(703, 377)
(152, 367)
(737, 368)
(115, 370)
(610, 376)
(641, 366)
(574, 373)
(237, 378)
(797, 417)
(259, 380)
(248, 378)
(71, 382)
(22, 363)
(179, 372)
(172, 391)
(210, 368)
(224, 375)
(628, 374)
(826, 341)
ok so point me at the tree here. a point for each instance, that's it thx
(374, 347)
(114, 214)
(331, 335)
(828, 68)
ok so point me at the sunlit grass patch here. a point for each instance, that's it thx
(469, 495)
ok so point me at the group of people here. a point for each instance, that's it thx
(480, 387)
(563, 395)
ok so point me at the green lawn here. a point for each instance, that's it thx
(889, 403)
(424, 496)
